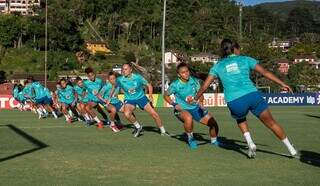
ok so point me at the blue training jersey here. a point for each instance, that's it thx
(93, 88)
(38, 90)
(234, 73)
(106, 90)
(133, 86)
(181, 90)
(82, 93)
(48, 93)
(27, 92)
(66, 95)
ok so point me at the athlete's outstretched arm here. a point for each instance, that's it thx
(204, 87)
(272, 77)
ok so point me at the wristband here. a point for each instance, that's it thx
(174, 104)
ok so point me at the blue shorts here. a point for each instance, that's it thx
(44, 100)
(118, 105)
(253, 102)
(197, 113)
(142, 102)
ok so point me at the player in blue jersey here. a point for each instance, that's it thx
(93, 86)
(18, 95)
(133, 86)
(241, 95)
(42, 98)
(29, 97)
(112, 102)
(68, 99)
(184, 88)
(82, 100)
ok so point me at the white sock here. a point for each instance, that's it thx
(70, 113)
(112, 123)
(86, 117)
(97, 119)
(66, 116)
(44, 111)
(54, 114)
(247, 137)
(289, 146)
(213, 140)
(162, 129)
(190, 135)
(39, 111)
(136, 124)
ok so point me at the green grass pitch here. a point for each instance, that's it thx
(52, 152)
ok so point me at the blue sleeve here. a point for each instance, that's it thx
(103, 90)
(197, 83)
(118, 82)
(142, 80)
(251, 62)
(213, 71)
(172, 89)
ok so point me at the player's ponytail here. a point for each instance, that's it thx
(226, 48)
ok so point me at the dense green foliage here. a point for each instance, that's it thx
(132, 29)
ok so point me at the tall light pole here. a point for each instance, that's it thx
(163, 48)
(46, 46)
(240, 20)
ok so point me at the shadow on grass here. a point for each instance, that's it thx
(312, 116)
(39, 145)
(227, 144)
(310, 158)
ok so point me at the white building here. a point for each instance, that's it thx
(205, 58)
(4, 6)
(24, 7)
(307, 58)
(171, 57)
(283, 45)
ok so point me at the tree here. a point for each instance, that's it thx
(303, 74)
(299, 20)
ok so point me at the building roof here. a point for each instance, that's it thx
(38, 77)
(283, 61)
(208, 54)
(96, 42)
(305, 56)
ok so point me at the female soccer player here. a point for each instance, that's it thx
(186, 87)
(241, 94)
(82, 100)
(133, 86)
(67, 98)
(93, 86)
(111, 102)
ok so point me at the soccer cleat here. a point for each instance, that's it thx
(252, 150)
(41, 116)
(114, 128)
(216, 143)
(137, 132)
(100, 125)
(165, 134)
(192, 143)
(87, 123)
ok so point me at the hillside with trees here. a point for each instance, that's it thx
(132, 30)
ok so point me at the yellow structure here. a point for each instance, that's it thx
(97, 47)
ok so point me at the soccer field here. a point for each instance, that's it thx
(52, 152)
